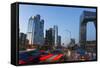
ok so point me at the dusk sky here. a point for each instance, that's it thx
(66, 18)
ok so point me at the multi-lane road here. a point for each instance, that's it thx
(37, 57)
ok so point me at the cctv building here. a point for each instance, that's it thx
(35, 33)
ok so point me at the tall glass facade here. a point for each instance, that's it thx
(35, 33)
(55, 35)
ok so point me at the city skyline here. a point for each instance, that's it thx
(60, 16)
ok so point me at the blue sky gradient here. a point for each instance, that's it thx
(66, 18)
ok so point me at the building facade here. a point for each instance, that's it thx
(55, 35)
(49, 37)
(22, 41)
(59, 40)
(52, 39)
(35, 33)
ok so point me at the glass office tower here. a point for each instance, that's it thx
(35, 33)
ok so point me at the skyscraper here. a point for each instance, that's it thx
(49, 39)
(52, 36)
(35, 33)
(55, 35)
(22, 41)
(59, 40)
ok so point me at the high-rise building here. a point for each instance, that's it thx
(49, 38)
(59, 40)
(22, 41)
(35, 33)
(72, 42)
(55, 35)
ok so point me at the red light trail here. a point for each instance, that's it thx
(45, 57)
(57, 57)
